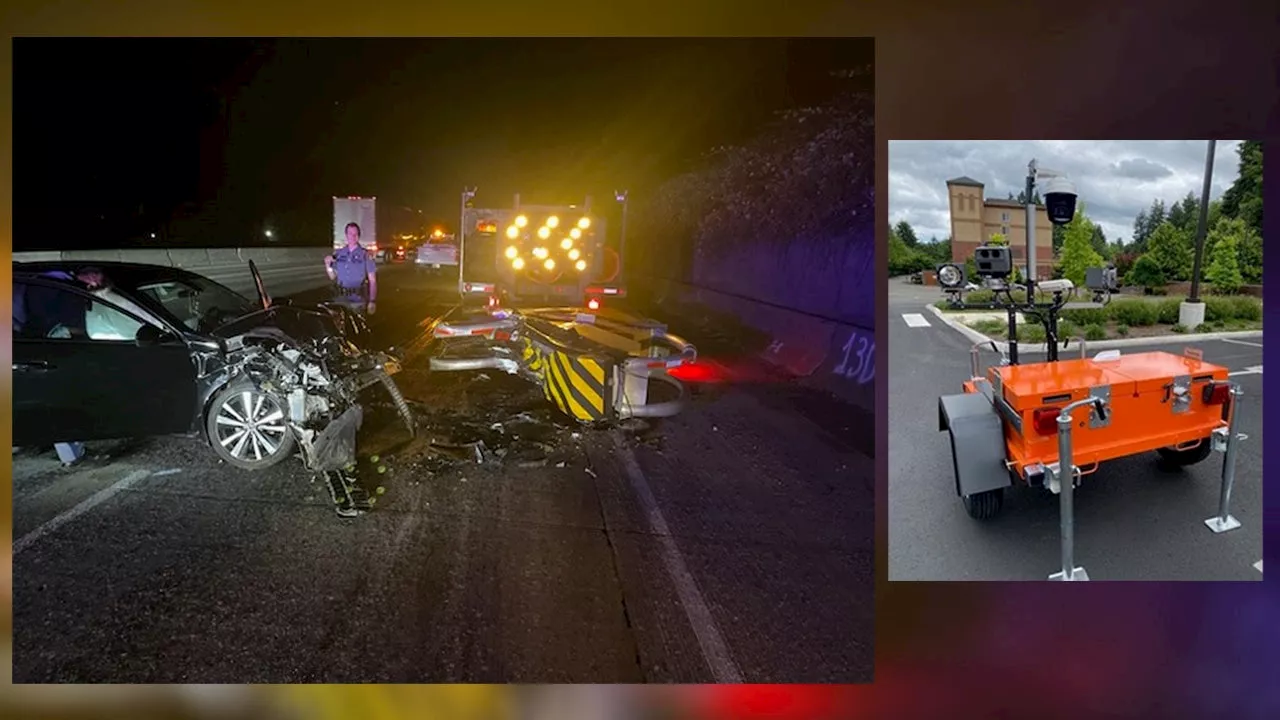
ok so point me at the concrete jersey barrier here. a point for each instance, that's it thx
(285, 271)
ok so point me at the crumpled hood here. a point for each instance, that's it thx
(302, 323)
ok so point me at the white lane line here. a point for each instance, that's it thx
(714, 648)
(1241, 342)
(915, 320)
(85, 506)
(162, 473)
(1258, 566)
(1251, 370)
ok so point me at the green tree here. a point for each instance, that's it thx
(1146, 273)
(1146, 223)
(1171, 249)
(1251, 258)
(1099, 242)
(907, 233)
(901, 257)
(1224, 272)
(1244, 198)
(998, 239)
(1078, 254)
(1140, 231)
(1185, 214)
(1247, 242)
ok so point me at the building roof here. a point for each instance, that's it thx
(964, 180)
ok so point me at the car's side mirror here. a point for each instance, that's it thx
(150, 336)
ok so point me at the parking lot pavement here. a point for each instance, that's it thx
(731, 542)
(1134, 520)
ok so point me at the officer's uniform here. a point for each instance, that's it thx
(352, 268)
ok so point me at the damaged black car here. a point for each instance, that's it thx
(117, 350)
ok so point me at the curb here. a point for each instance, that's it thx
(1003, 346)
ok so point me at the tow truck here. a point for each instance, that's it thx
(538, 253)
(1049, 424)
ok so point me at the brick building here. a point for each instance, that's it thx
(975, 219)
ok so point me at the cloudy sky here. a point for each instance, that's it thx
(1115, 178)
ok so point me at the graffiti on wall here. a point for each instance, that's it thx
(858, 357)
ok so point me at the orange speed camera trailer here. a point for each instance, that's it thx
(1004, 427)
(1156, 401)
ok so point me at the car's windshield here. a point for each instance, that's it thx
(198, 304)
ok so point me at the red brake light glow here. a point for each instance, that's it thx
(593, 304)
(1045, 420)
(1216, 393)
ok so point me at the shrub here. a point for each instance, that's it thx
(1086, 316)
(1218, 308)
(1245, 307)
(1095, 332)
(1168, 310)
(1146, 273)
(1066, 329)
(979, 296)
(1031, 334)
(1179, 328)
(990, 327)
(1122, 330)
(1137, 313)
(1204, 328)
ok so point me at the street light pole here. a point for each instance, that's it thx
(622, 238)
(1031, 231)
(1201, 228)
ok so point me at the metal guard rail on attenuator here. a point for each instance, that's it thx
(569, 351)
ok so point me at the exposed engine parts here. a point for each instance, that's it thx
(284, 393)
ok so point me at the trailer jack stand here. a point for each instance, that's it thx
(1225, 441)
(1065, 475)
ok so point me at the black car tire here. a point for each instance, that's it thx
(228, 404)
(1190, 456)
(984, 505)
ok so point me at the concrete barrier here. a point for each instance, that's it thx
(829, 353)
(284, 270)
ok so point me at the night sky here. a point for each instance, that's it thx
(114, 138)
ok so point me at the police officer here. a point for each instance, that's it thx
(349, 268)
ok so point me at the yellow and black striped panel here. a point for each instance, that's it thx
(576, 384)
(532, 356)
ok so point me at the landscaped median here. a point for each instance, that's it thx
(1126, 320)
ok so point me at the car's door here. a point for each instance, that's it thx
(94, 381)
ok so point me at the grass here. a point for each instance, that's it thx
(1123, 317)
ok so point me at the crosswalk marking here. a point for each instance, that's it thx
(1241, 342)
(1251, 370)
(915, 320)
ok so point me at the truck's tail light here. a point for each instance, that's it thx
(593, 304)
(1045, 420)
(1216, 393)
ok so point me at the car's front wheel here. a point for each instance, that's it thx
(248, 427)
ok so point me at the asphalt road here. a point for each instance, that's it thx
(731, 542)
(1134, 520)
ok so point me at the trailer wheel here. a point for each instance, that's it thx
(984, 505)
(1190, 456)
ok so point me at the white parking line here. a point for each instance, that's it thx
(1258, 566)
(1241, 342)
(1251, 370)
(915, 320)
(91, 502)
(714, 648)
